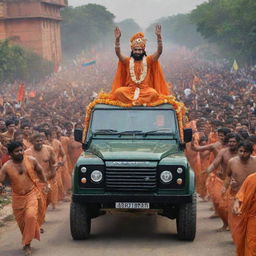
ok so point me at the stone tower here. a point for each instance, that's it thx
(34, 24)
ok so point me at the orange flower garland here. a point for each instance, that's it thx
(104, 98)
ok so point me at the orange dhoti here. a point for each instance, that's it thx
(52, 196)
(126, 95)
(233, 220)
(61, 191)
(66, 178)
(220, 201)
(27, 214)
(244, 232)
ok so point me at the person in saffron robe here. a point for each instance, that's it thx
(24, 173)
(221, 160)
(239, 168)
(61, 159)
(245, 207)
(139, 78)
(213, 181)
(46, 157)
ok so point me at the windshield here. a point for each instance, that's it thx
(107, 121)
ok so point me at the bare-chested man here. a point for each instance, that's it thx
(216, 146)
(212, 181)
(245, 208)
(24, 173)
(66, 177)
(46, 157)
(61, 159)
(10, 124)
(26, 129)
(74, 150)
(221, 160)
(238, 169)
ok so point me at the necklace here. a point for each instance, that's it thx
(143, 73)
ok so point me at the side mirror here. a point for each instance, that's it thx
(78, 134)
(187, 135)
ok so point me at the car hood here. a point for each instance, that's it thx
(133, 150)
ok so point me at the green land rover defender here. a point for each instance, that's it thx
(133, 161)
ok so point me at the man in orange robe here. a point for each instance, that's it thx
(66, 177)
(205, 162)
(139, 79)
(221, 160)
(24, 173)
(239, 168)
(213, 182)
(45, 155)
(61, 159)
(245, 207)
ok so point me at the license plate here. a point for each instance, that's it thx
(138, 205)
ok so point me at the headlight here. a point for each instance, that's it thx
(83, 170)
(179, 170)
(96, 176)
(166, 176)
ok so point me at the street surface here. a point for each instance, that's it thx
(120, 235)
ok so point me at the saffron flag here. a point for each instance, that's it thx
(89, 63)
(32, 94)
(235, 66)
(21, 93)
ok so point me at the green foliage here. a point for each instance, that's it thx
(231, 24)
(19, 64)
(180, 30)
(84, 27)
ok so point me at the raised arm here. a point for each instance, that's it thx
(117, 44)
(157, 54)
(208, 147)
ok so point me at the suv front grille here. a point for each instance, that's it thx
(133, 179)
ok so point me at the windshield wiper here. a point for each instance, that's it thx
(129, 132)
(160, 130)
(104, 131)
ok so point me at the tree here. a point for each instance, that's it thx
(84, 27)
(180, 30)
(231, 24)
(20, 64)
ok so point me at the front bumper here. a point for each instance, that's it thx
(158, 199)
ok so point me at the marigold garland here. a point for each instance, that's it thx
(104, 98)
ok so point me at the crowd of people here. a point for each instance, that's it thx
(221, 106)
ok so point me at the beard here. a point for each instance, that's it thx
(18, 158)
(138, 57)
(38, 147)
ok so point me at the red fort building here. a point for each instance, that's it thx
(33, 24)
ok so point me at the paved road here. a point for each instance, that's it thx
(122, 236)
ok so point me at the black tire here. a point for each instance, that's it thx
(80, 221)
(186, 221)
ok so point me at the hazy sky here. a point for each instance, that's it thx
(143, 12)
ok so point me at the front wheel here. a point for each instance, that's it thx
(186, 220)
(80, 221)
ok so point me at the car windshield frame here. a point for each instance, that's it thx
(153, 130)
